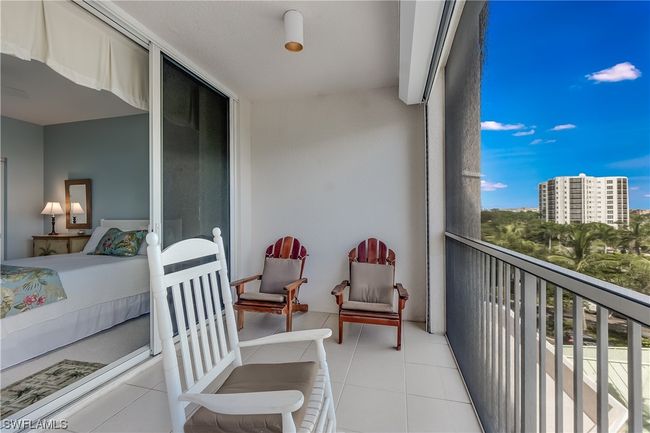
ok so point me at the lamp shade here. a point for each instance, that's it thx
(293, 37)
(76, 209)
(52, 208)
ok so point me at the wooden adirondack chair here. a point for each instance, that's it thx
(281, 281)
(287, 398)
(372, 289)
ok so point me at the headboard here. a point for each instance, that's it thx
(125, 225)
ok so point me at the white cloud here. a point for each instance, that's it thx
(562, 127)
(640, 162)
(647, 195)
(541, 140)
(619, 72)
(634, 188)
(491, 125)
(524, 133)
(492, 186)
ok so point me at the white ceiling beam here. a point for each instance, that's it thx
(418, 27)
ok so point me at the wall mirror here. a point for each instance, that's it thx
(78, 204)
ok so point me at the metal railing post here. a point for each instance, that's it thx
(602, 379)
(634, 397)
(559, 360)
(578, 379)
(529, 354)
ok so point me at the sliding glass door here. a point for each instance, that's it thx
(195, 157)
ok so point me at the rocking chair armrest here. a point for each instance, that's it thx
(245, 280)
(403, 293)
(249, 403)
(338, 290)
(289, 337)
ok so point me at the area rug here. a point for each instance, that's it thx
(31, 389)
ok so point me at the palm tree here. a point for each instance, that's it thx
(578, 241)
(637, 234)
(626, 270)
(511, 235)
(549, 231)
(607, 234)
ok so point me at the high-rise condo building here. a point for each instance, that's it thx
(585, 199)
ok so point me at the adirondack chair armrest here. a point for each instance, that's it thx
(403, 293)
(292, 287)
(338, 291)
(289, 337)
(249, 403)
(239, 285)
(245, 280)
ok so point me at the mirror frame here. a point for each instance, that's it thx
(89, 204)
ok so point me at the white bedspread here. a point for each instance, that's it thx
(88, 280)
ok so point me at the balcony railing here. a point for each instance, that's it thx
(508, 330)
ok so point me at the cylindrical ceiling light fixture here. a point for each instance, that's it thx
(293, 31)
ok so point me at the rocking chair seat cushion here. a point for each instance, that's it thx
(368, 306)
(265, 297)
(257, 378)
(278, 273)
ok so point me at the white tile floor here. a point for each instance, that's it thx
(376, 388)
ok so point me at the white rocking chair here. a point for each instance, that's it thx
(293, 397)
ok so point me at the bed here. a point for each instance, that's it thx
(101, 292)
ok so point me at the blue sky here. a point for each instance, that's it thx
(553, 65)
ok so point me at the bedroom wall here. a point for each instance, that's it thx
(334, 170)
(113, 152)
(22, 145)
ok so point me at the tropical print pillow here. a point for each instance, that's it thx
(118, 243)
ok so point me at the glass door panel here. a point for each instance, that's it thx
(196, 190)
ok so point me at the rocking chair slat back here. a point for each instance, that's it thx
(198, 291)
(372, 250)
(179, 309)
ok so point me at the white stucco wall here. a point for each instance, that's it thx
(243, 195)
(334, 170)
(436, 211)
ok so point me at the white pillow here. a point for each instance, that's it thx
(92, 243)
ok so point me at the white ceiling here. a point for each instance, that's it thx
(349, 45)
(34, 93)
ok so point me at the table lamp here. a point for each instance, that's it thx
(75, 209)
(52, 208)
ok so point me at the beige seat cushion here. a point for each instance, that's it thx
(257, 378)
(267, 297)
(278, 273)
(370, 282)
(368, 306)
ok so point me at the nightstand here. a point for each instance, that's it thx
(45, 245)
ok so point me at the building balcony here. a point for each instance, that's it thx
(499, 368)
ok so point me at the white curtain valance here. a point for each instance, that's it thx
(77, 46)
